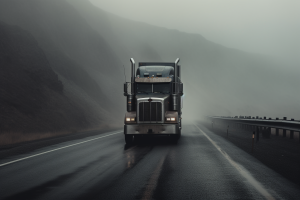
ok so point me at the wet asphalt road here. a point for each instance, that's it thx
(201, 165)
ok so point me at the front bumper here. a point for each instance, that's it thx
(151, 129)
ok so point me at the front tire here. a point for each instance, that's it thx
(176, 137)
(129, 139)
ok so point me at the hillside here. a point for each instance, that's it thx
(218, 80)
(32, 98)
(80, 57)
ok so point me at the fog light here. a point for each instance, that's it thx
(128, 119)
(173, 119)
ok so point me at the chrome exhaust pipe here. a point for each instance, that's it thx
(132, 74)
(130, 97)
(176, 73)
(175, 105)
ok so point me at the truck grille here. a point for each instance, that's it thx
(150, 111)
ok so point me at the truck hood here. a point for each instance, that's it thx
(152, 96)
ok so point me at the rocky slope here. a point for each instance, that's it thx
(78, 55)
(32, 98)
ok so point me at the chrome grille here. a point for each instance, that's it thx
(150, 111)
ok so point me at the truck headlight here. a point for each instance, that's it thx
(128, 119)
(169, 119)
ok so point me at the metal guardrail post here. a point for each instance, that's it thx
(227, 130)
(253, 140)
(283, 130)
(257, 135)
(291, 134)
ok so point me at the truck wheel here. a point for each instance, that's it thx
(179, 133)
(129, 139)
(138, 138)
(175, 138)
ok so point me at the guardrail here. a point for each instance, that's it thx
(258, 124)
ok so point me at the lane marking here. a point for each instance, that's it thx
(151, 185)
(1, 165)
(257, 185)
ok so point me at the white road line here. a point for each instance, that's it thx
(257, 185)
(1, 165)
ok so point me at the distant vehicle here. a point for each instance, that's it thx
(154, 103)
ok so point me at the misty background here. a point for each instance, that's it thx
(66, 58)
(269, 27)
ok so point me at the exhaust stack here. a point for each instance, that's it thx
(132, 75)
(175, 105)
(176, 73)
(131, 97)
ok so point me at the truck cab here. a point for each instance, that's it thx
(154, 102)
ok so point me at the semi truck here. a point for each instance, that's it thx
(153, 100)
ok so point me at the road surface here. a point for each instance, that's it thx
(202, 165)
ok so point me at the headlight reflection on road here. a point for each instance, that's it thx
(130, 159)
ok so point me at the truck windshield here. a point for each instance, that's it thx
(146, 88)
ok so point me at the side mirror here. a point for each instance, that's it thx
(125, 89)
(181, 89)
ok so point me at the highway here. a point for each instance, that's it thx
(201, 165)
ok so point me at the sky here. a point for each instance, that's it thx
(270, 27)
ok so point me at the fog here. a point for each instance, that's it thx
(245, 64)
(237, 58)
(270, 27)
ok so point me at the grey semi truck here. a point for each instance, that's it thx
(154, 100)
